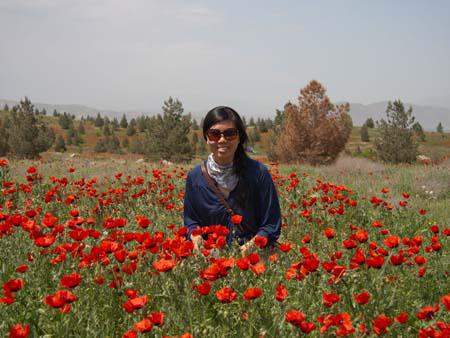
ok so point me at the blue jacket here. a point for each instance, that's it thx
(203, 208)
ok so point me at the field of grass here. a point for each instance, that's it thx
(364, 251)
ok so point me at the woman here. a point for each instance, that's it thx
(231, 183)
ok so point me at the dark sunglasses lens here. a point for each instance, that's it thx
(214, 134)
(230, 133)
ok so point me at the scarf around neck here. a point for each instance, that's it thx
(223, 174)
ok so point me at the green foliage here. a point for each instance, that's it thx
(136, 146)
(255, 135)
(365, 133)
(195, 125)
(27, 134)
(99, 122)
(131, 130)
(396, 142)
(369, 123)
(123, 122)
(167, 137)
(110, 144)
(65, 121)
(440, 128)
(60, 144)
(417, 127)
(125, 142)
(81, 129)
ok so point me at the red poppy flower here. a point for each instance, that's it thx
(19, 331)
(362, 298)
(236, 219)
(427, 312)
(329, 299)
(329, 232)
(392, 241)
(45, 241)
(380, 324)
(307, 327)
(14, 285)
(226, 295)
(375, 262)
(22, 268)
(203, 289)
(164, 265)
(285, 247)
(71, 281)
(157, 318)
(281, 293)
(258, 268)
(446, 301)
(252, 293)
(295, 317)
(261, 241)
(144, 325)
(130, 334)
(401, 318)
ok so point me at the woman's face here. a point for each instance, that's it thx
(223, 146)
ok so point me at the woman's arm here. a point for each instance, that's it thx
(269, 214)
(191, 218)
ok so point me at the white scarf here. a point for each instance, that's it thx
(223, 174)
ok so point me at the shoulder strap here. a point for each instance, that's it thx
(216, 189)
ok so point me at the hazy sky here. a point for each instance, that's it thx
(251, 55)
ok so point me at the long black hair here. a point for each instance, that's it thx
(241, 159)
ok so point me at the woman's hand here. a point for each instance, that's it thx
(197, 241)
(248, 247)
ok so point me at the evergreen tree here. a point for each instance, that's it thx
(255, 136)
(65, 121)
(244, 121)
(81, 129)
(115, 124)
(262, 126)
(131, 130)
(3, 139)
(99, 122)
(365, 133)
(60, 144)
(106, 130)
(6, 107)
(417, 127)
(28, 135)
(136, 146)
(123, 122)
(201, 149)
(195, 125)
(141, 124)
(168, 137)
(396, 143)
(369, 123)
(440, 128)
(125, 142)
(252, 122)
(194, 142)
(55, 113)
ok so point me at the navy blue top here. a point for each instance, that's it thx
(202, 206)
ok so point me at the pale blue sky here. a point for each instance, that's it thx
(251, 55)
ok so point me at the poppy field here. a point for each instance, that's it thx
(94, 254)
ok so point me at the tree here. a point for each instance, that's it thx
(369, 123)
(251, 123)
(65, 121)
(28, 134)
(115, 124)
(131, 129)
(195, 125)
(365, 133)
(255, 136)
(60, 144)
(440, 128)
(123, 122)
(81, 129)
(194, 142)
(125, 142)
(396, 143)
(167, 137)
(315, 130)
(6, 107)
(99, 122)
(417, 127)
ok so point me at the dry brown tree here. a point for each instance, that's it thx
(315, 130)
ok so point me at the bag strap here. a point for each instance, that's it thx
(216, 190)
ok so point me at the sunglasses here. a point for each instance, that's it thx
(229, 134)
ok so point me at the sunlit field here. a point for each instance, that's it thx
(96, 248)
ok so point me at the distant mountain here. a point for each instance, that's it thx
(77, 110)
(428, 116)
